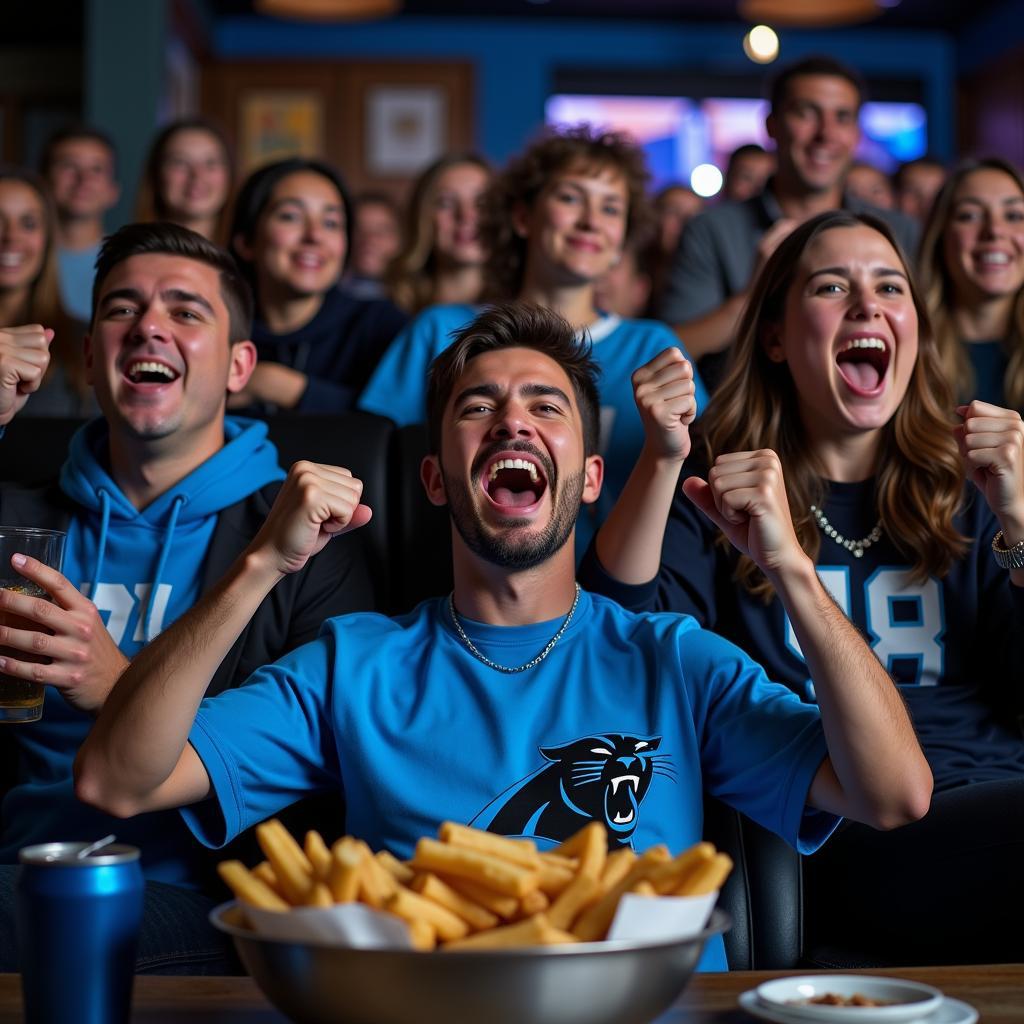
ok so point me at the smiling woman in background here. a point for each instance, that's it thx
(317, 345)
(188, 177)
(443, 258)
(972, 276)
(29, 292)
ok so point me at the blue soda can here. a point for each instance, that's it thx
(78, 923)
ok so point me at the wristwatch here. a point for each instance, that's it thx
(1007, 558)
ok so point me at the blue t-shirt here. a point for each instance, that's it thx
(626, 721)
(76, 268)
(989, 362)
(398, 388)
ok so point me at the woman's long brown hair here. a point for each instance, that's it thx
(412, 275)
(937, 286)
(919, 478)
(43, 305)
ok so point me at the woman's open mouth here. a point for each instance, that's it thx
(514, 482)
(863, 364)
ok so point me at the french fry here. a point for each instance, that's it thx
(671, 876)
(343, 877)
(553, 878)
(616, 866)
(265, 873)
(519, 851)
(411, 906)
(643, 888)
(422, 936)
(589, 845)
(532, 903)
(478, 917)
(318, 855)
(501, 906)
(551, 857)
(393, 866)
(502, 876)
(708, 877)
(593, 923)
(248, 888)
(319, 896)
(534, 931)
(290, 864)
(581, 892)
(375, 884)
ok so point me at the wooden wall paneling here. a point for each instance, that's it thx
(346, 89)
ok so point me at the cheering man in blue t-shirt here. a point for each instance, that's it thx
(520, 703)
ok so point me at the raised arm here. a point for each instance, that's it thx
(24, 357)
(875, 772)
(629, 542)
(137, 757)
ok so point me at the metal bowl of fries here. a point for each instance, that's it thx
(581, 983)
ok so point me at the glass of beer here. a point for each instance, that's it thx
(20, 699)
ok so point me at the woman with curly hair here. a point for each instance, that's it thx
(442, 260)
(972, 276)
(833, 444)
(554, 222)
(29, 293)
(187, 179)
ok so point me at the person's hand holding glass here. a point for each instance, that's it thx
(50, 634)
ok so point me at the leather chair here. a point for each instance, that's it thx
(359, 441)
(421, 545)
(33, 450)
(763, 895)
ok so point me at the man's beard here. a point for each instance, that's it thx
(513, 548)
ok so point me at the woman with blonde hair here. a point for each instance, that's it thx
(442, 259)
(834, 433)
(188, 177)
(29, 292)
(972, 276)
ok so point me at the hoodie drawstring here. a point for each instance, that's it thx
(101, 548)
(172, 522)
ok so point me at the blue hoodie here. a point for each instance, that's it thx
(119, 555)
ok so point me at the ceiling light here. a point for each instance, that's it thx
(328, 10)
(808, 13)
(706, 180)
(761, 44)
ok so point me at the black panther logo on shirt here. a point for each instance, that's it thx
(603, 778)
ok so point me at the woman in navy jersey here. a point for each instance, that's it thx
(836, 422)
(972, 276)
(317, 345)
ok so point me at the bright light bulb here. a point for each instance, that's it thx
(761, 44)
(706, 180)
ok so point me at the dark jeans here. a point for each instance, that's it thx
(946, 889)
(176, 937)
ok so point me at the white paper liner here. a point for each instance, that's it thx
(355, 925)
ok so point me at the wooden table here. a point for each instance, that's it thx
(996, 991)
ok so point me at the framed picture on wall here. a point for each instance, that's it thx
(280, 123)
(406, 128)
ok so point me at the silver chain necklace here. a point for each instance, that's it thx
(504, 668)
(857, 547)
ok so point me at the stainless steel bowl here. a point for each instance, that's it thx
(588, 983)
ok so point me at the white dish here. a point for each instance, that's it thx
(905, 1000)
(949, 1011)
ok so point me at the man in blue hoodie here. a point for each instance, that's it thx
(158, 498)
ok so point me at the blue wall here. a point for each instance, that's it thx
(516, 59)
